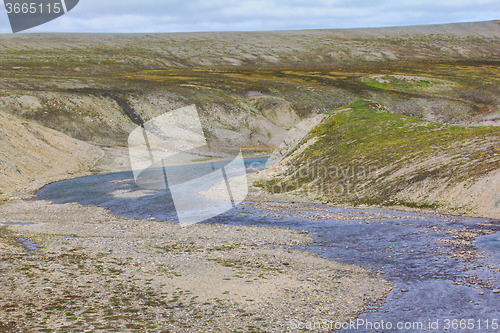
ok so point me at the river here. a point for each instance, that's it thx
(443, 267)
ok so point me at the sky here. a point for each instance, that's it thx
(254, 15)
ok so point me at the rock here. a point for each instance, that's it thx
(404, 290)
(496, 291)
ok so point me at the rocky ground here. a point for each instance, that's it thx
(83, 269)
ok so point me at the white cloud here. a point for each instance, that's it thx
(217, 15)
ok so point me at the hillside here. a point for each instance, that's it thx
(318, 48)
(32, 156)
(365, 155)
(249, 87)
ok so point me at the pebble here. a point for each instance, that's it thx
(496, 291)
(404, 290)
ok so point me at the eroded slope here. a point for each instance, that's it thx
(364, 154)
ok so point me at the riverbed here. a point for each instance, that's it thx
(442, 267)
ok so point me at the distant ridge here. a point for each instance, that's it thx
(483, 28)
(476, 40)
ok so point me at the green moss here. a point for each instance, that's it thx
(367, 131)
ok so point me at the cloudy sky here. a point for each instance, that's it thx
(250, 15)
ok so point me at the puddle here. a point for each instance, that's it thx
(17, 223)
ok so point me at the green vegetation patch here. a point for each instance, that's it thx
(406, 83)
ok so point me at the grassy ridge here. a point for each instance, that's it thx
(367, 155)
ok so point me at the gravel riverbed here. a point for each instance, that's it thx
(68, 267)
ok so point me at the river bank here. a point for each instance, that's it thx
(83, 268)
(421, 254)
